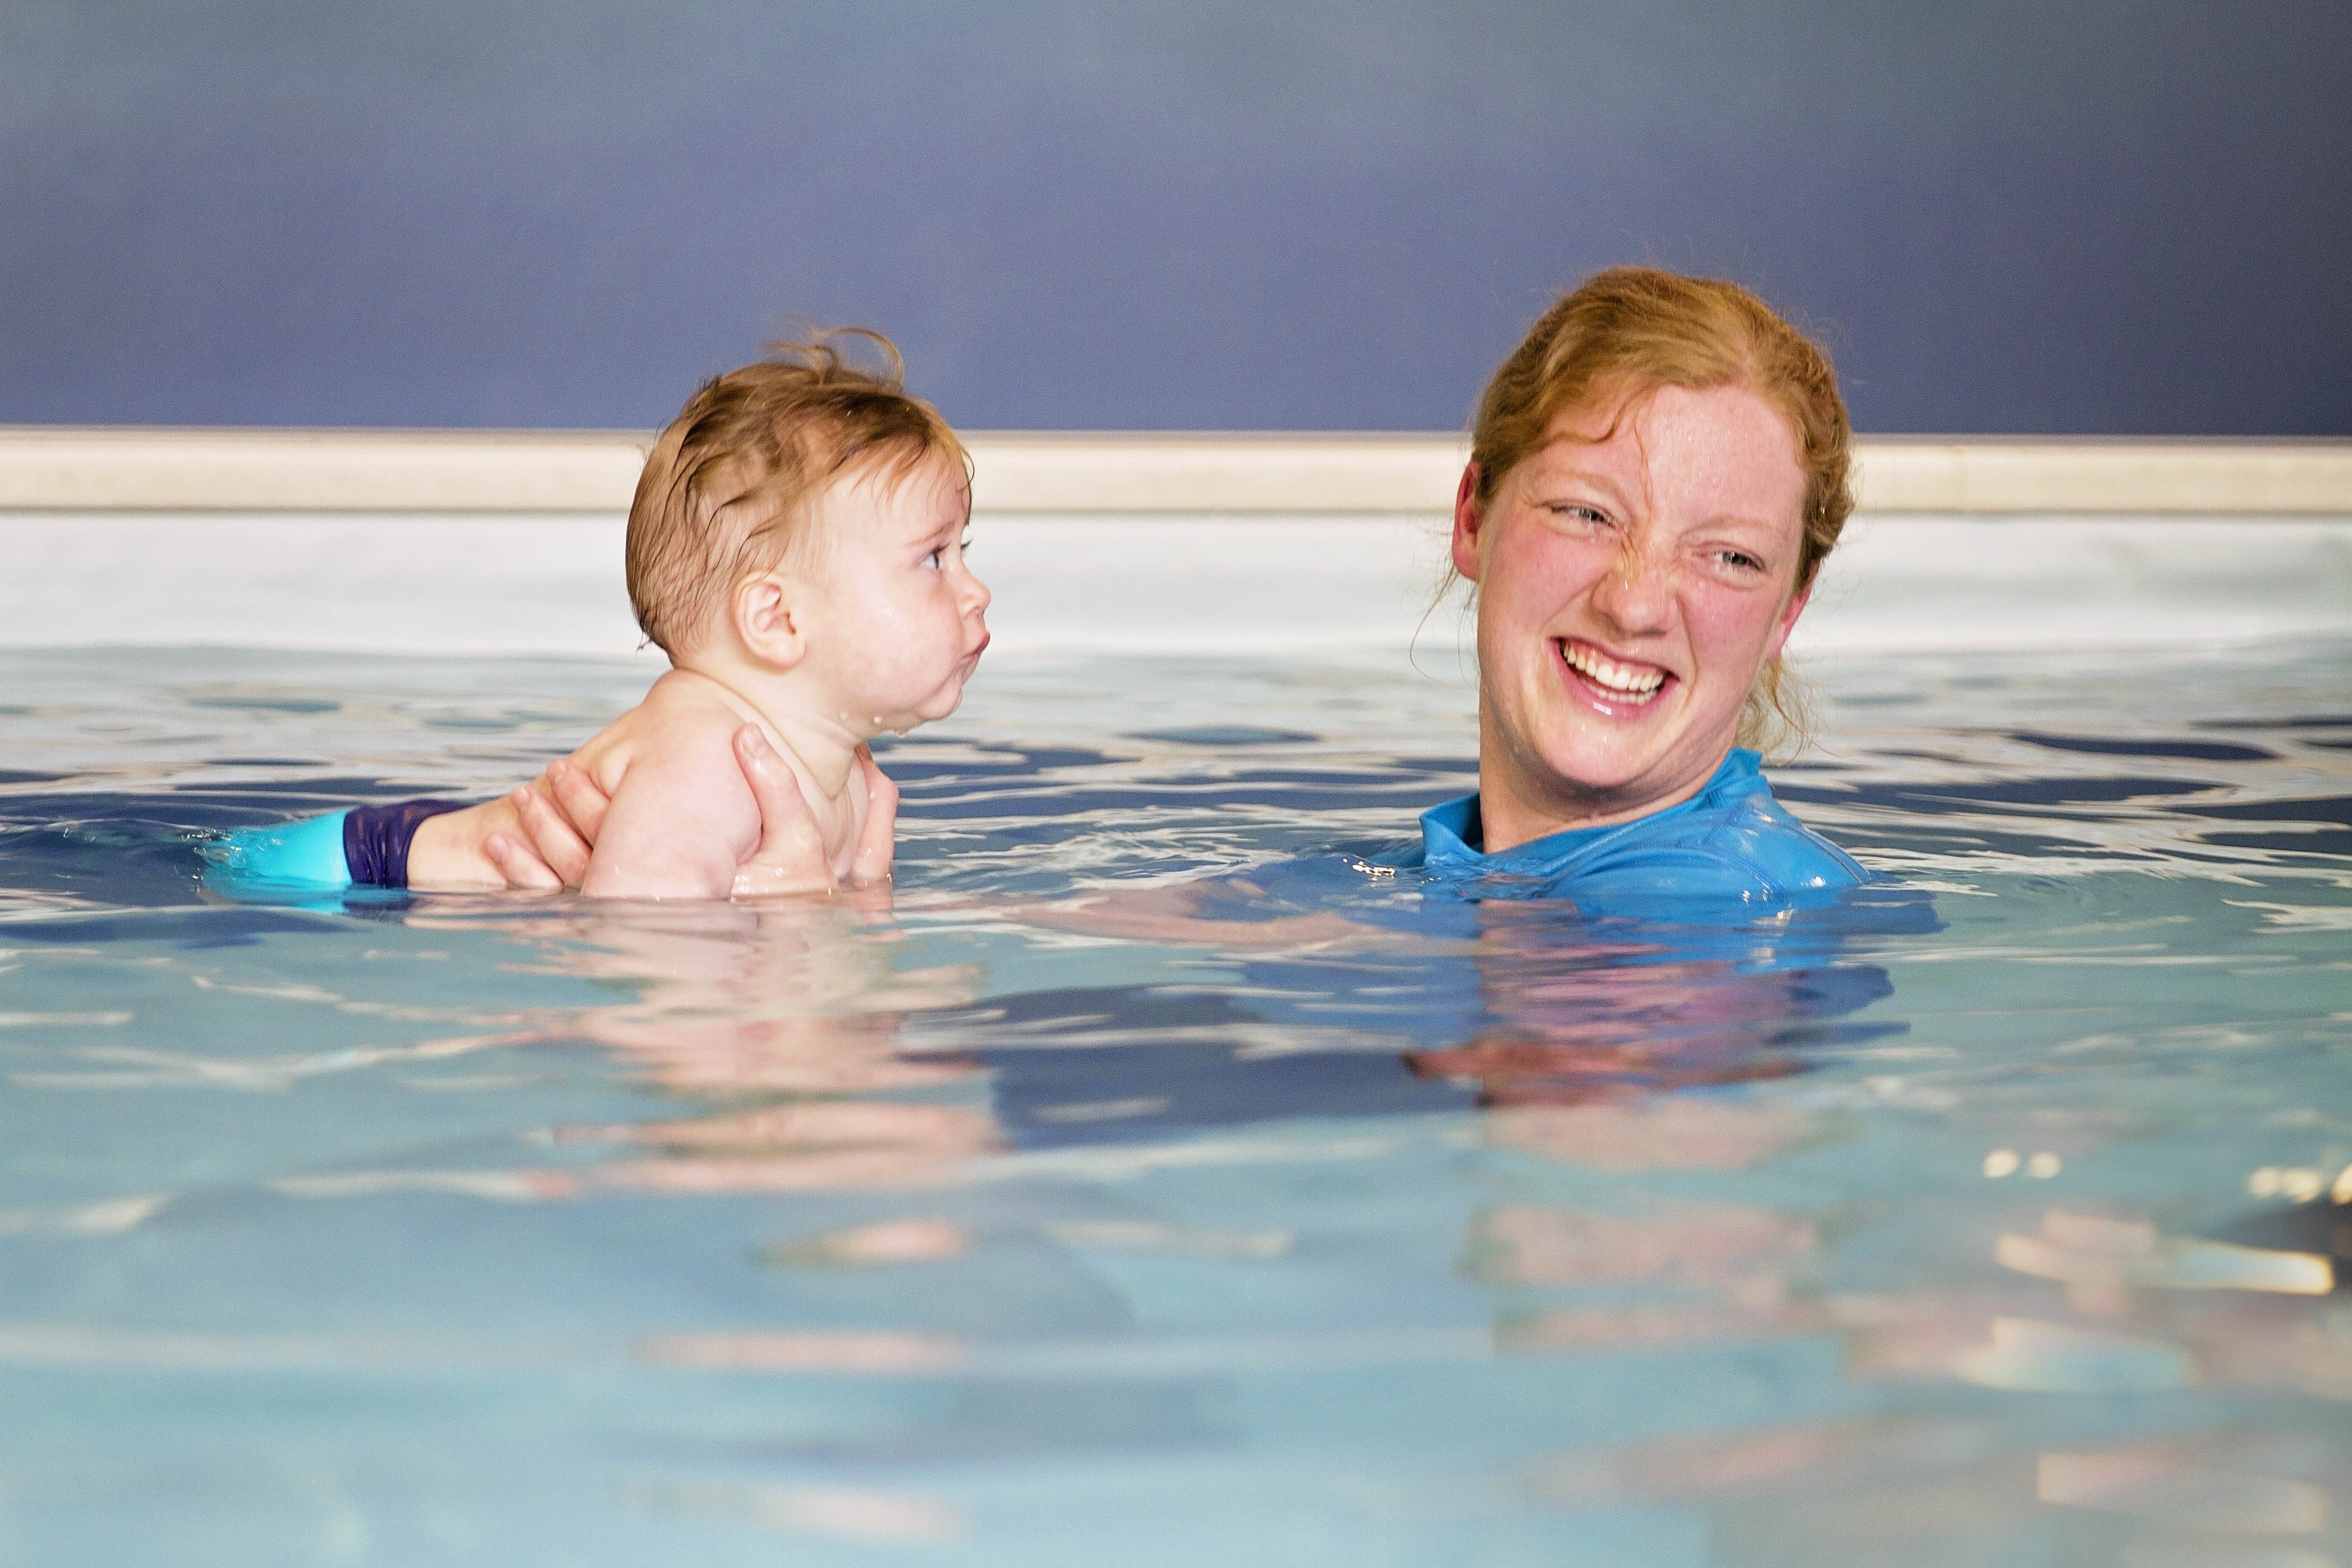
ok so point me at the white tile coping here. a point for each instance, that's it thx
(57, 468)
(541, 583)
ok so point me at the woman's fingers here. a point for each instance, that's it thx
(558, 840)
(579, 798)
(790, 856)
(521, 868)
(871, 867)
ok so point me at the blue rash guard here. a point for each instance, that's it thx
(1731, 841)
(1728, 856)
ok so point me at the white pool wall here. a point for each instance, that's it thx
(510, 543)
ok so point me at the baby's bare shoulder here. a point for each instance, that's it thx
(682, 715)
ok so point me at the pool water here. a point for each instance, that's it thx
(1994, 1222)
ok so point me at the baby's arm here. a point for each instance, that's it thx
(681, 821)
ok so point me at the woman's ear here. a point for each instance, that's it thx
(1788, 621)
(1466, 522)
(768, 619)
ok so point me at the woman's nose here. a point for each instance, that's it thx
(1637, 592)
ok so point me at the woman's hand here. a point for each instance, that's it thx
(561, 832)
(790, 857)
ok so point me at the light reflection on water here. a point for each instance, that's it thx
(462, 1229)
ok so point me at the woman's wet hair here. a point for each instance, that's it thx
(1629, 331)
(725, 491)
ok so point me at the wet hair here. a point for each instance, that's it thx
(725, 491)
(1625, 332)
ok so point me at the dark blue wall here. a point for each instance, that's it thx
(2089, 218)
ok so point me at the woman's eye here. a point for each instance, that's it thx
(1576, 511)
(1740, 560)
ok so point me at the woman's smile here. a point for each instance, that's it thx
(1613, 685)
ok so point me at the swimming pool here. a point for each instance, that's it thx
(515, 1230)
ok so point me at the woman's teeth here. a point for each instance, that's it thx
(1630, 681)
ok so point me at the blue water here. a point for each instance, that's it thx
(1993, 1226)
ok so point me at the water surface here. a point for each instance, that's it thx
(970, 1230)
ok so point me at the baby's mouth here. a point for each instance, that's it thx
(1614, 680)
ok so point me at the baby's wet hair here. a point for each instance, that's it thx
(726, 490)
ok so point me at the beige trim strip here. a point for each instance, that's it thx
(45, 469)
(1116, 472)
(2268, 478)
(52, 468)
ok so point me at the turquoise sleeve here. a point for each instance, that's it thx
(307, 853)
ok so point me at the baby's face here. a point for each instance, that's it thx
(900, 621)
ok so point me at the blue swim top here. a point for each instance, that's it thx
(1731, 841)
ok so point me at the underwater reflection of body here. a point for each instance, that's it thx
(806, 1057)
(1365, 990)
(776, 1027)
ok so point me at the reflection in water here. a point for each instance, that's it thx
(1660, 1133)
(1567, 1022)
(774, 1025)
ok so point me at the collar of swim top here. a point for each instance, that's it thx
(1448, 831)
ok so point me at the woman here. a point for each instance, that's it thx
(1656, 474)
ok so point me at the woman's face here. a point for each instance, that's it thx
(1632, 583)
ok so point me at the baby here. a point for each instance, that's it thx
(796, 548)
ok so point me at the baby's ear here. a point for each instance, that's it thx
(766, 611)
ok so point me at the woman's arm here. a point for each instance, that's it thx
(1170, 914)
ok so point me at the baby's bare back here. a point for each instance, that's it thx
(678, 707)
(687, 724)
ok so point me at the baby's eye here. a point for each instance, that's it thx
(932, 560)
